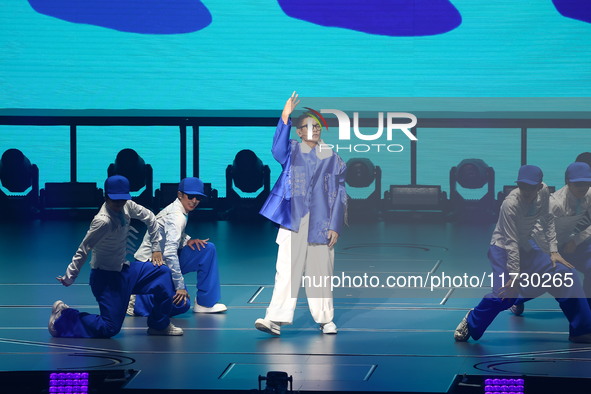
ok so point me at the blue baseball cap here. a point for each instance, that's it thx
(192, 185)
(117, 188)
(532, 175)
(578, 172)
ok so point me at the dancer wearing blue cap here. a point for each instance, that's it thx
(515, 256)
(570, 206)
(183, 255)
(112, 278)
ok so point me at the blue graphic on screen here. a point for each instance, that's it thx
(135, 16)
(576, 9)
(403, 18)
(56, 54)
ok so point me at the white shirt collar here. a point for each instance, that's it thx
(180, 205)
(323, 151)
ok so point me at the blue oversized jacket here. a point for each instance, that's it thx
(326, 194)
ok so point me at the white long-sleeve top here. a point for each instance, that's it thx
(172, 222)
(107, 238)
(516, 223)
(569, 215)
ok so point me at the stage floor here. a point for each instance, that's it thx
(390, 339)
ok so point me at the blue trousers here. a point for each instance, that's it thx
(205, 263)
(112, 290)
(571, 299)
(581, 259)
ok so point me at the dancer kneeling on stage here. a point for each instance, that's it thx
(571, 207)
(183, 255)
(112, 278)
(308, 202)
(515, 257)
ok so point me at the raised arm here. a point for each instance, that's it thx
(289, 107)
(280, 149)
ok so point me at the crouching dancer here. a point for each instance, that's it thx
(515, 256)
(113, 279)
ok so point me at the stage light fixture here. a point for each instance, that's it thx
(276, 382)
(69, 382)
(248, 174)
(19, 186)
(504, 386)
(140, 175)
(473, 175)
(360, 172)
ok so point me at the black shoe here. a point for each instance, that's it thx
(517, 309)
(585, 338)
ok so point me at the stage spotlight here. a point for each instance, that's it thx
(473, 175)
(504, 386)
(69, 382)
(19, 194)
(584, 157)
(360, 172)
(248, 173)
(16, 171)
(276, 382)
(140, 175)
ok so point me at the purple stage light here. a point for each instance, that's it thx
(68, 383)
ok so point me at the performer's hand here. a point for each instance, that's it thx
(290, 105)
(570, 247)
(510, 290)
(199, 243)
(556, 257)
(333, 237)
(62, 280)
(180, 296)
(157, 259)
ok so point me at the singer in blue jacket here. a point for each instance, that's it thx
(308, 202)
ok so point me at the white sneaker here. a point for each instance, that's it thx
(56, 311)
(217, 308)
(131, 306)
(462, 331)
(329, 328)
(267, 326)
(170, 330)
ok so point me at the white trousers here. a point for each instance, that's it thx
(295, 258)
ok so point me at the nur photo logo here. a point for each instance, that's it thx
(381, 139)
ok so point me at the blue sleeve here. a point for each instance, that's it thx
(281, 142)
